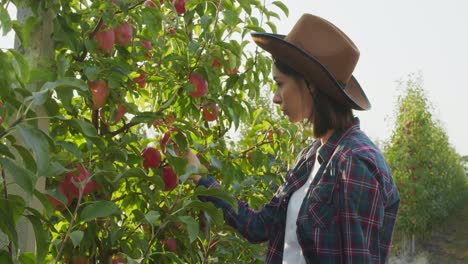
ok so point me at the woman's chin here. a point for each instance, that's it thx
(293, 119)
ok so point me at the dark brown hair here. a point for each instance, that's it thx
(326, 113)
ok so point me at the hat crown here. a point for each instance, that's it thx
(327, 44)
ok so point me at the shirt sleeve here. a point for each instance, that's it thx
(366, 213)
(255, 226)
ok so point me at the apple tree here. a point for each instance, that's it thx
(99, 102)
(427, 170)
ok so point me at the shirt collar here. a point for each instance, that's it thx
(326, 150)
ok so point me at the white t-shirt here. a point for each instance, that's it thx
(292, 253)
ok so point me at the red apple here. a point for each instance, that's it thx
(151, 157)
(279, 132)
(147, 228)
(167, 121)
(73, 182)
(249, 157)
(201, 85)
(233, 71)
(123, 33)
(408, 124)
(105, 38)
(170, 119)
(171, 244)
(170, 178)
(215, 63)
(157, 122)
(81, 260)
(179, 6)
(210, 112)
(100, 92)
(119, 259)
(150, 3)
(141, 80)
(171, 31)
(148, 46)
(121, 110)
(167, 140)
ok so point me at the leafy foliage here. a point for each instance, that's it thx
(428, 171)
(129, 213)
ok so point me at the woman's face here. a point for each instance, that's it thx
(293, 96)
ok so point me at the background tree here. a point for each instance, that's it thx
(428, 171)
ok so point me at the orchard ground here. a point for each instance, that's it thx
(447, 244)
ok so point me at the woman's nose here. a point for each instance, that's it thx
(276, 97)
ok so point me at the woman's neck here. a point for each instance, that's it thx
(325, 138)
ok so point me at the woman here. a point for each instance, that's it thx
(339, 201)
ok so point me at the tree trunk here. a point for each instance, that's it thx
(40, 50)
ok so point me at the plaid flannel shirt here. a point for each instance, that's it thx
(348, 214)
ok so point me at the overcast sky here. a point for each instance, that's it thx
(397, 38)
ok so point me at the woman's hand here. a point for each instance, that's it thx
(192, 160)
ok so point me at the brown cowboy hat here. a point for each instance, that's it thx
(323, 54)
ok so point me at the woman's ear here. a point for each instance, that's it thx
(310, 87)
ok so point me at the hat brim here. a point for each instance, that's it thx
(350, 95)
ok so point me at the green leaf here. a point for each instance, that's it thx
(24, 31)
(71, 147)
(85, 127)
(37, 141)
(23, 177)
(255, 28)
(92, 72)
(145, 117)
(76, 237)
(132, 172)
(215, 213)
(216, 162)
(153, 217)
(272, 26)
(5, 20)
(193, 47)
(5, 151)
(217, 192)
(205, 21)
(282, 6)
(230, 17)
(192, 227)
(7, 223)
(18, 205)
(55, 169)
(27, 157)
(41, 96)
(49, 210)
(99, 209)
(57, 195)
(21, 66)
(40, 233)
(65, 95)
(27, 258)
(63, 65)
(66, 82)
(5, 257)
(245, 4)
